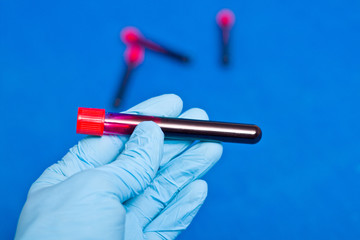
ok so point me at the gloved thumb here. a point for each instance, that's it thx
(137, 165)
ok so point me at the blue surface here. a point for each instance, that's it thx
(294, 71)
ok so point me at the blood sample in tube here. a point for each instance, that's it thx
(97, 122)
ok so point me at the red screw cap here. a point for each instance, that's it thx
(90, 121)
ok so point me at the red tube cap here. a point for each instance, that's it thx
(90, 121)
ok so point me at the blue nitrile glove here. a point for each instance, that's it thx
(115, 187)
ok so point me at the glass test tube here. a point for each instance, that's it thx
(94, 121)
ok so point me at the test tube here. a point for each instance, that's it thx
(93, 121)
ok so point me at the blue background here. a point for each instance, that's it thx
(294, 71)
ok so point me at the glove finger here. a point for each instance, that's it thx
(174, 176)
(93, 152)
(177, 216)
(167, 105)
(172, 148)
(137, 165)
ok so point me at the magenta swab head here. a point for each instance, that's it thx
(130, 35)
(225, 18)
(134, 54)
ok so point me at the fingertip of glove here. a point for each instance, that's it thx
(172, 97)
(167, 105)
(174, 100)
(210, 150)
(216, 149)
(201, 187)
(196, 191)
(149, 128)
(195, 113)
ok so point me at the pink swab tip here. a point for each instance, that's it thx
(130, 35)
(134, 54)
(225, 18)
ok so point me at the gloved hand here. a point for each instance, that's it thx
(115, 187)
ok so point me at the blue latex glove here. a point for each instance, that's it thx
(115, 187)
